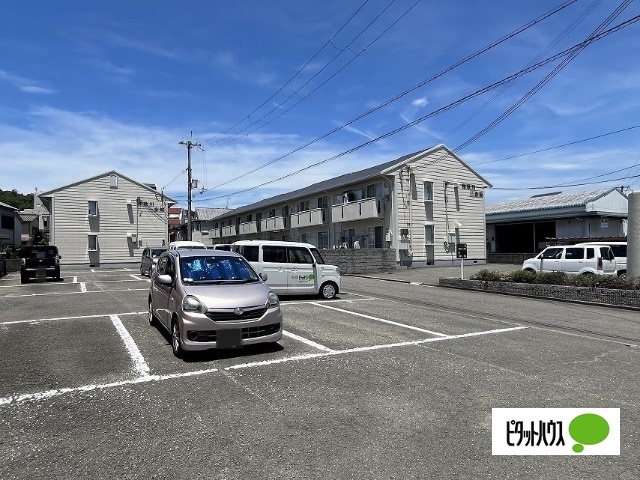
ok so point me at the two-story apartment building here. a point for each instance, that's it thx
(108, 218)
(421, 205)
(9, 226)
(203, 222)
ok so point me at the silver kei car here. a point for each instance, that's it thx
(212, 299)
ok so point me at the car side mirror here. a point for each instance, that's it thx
(263, 277)
(164, 279)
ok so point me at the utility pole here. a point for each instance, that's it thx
(189, 145)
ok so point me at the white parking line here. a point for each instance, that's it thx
(390, 322)
(53, 294)
(137, 277)
(75, 280)
(83, 287)
(311, 343)
(138, 360)
(155, 378)
(337, 300)
(79, 317)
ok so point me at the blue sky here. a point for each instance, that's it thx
(88, 87)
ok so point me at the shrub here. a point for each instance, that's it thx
(613, 281)
(487, 275)
(521, 276)
(586, 280)
(552, 278)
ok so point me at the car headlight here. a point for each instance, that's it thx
(272, 300)
(192, 304)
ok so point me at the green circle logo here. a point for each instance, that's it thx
(588, 429)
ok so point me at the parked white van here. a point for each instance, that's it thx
(620, 252)
(574, 260)
(291, 268)
(185, 244)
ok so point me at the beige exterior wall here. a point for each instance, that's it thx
(120, 218)
(454, 206)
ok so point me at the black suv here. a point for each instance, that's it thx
(39, 261)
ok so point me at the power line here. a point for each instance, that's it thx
(409, 90)
(540, 55)
(559, 146)
(450, 106)
(566, 185)
(328, 42)
(546, 79)
(303, 98)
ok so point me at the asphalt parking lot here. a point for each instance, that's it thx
(391, 380)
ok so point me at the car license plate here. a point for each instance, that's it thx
(41, 272)
(229, 338)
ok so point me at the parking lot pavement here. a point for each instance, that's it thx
(379, 383)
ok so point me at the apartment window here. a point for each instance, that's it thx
(272, 213)
(113, 181)
(323, 202)
(429, 235)
(304, 237)
(7, 222)
(92, 245)
(93, 207)
(428, 191)
(304, 206)
(284, 211)
(249, 217)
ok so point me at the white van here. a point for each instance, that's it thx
(620, 252)
(185, 244)
(573, 260)
(291, 268)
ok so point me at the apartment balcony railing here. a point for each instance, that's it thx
(229, 231)
(214, 233)
(358, 210)
(247, 228)
(308, 218)
(273, 224)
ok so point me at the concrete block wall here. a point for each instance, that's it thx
(364, 260)
(607, 296)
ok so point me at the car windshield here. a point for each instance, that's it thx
(156, 252)
(317, 255)
(216, 270)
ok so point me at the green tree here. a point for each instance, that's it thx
(15, 199)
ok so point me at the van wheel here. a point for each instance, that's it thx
(24, 279)
(622, 274)
(176, 343)
(328, 290)
(530, 270)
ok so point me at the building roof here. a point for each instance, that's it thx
(28, 217)
(553, 204)
(111, 172)
(8, 206)
(547, 201)
(206, 213)
(346, 180)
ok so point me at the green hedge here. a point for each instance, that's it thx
(558, 278)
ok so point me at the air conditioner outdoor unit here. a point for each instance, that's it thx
(404, 244)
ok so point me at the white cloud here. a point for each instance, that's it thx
(420, 102)
(36, 89)
(24, 84)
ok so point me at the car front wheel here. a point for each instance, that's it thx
(176, 343)
(329, 290)
(150, 316)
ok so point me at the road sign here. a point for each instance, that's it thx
(461, 250)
